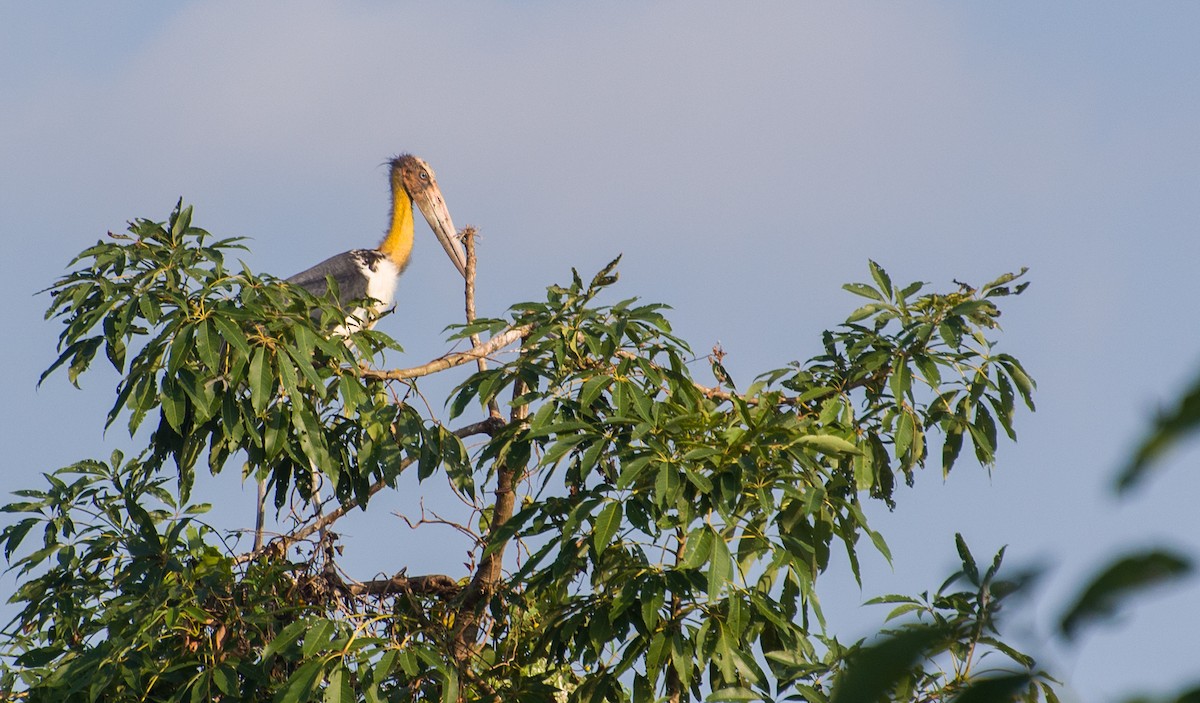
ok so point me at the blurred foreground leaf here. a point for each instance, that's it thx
(1168, 429)
(1121, 580)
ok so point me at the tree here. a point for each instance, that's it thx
(639, 533)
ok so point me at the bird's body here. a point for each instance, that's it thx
(358, 274)
(373, 273)
(370, 275)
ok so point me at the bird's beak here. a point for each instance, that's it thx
(433, 207)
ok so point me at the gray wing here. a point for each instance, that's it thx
(346, 269)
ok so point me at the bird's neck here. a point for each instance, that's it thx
(398, 243)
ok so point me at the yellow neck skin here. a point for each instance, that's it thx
(398, 243)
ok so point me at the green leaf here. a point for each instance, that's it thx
(180, 349)
(733, 693)
(631, 469)
(666, 485)
(900, 381)
(697, 549)
(449, 685)
(864, 312)
(951, 448)
(181, 220)
(285, 638)
(1120, 581)
(1006, 278)
(1020, 379)
(929, 370)
(864, 290)
(208, 345)
(902, 610)
(174, 403)
(606, 525)
(968, 561)
(827, 444)
(720, 567)
(950, 335)
(262, 380)
(911, 289)
(592, 389)
(880, 543)
(303, 682)
(225, 677)
(881, 278)
(231, 334)
(338, 689)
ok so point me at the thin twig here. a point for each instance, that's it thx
(488, 426)
(439, 520)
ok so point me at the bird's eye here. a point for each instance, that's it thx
(424, 175)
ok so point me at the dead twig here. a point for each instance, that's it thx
(468, 237)
(439, 520)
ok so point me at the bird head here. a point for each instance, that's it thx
(417, 179)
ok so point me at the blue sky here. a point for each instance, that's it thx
(746, 159)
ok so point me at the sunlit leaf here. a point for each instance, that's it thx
(606, 525)
(829, 444)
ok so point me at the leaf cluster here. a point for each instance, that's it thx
(231, 364)
(674, 532)
(129, 595)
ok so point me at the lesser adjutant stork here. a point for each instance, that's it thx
(372, 273)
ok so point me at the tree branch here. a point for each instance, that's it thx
(468, 236)
(494, 344)
(438, 585)
(489, 572)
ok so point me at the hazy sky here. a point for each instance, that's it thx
(746, 158)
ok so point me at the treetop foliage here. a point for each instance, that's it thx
(639, 532)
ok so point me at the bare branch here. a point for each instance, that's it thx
(494, 344)
(468, 236)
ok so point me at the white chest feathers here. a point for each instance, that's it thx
(382, 277)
